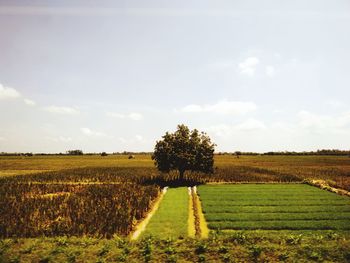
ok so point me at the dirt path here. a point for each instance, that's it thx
(191, 216)
(142, 225)
(201, 223)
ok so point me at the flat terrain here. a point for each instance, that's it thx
(87, 206)
(334, 169)
(274, 207)
(170, 220)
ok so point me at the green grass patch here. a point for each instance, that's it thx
(277, 216)
(274, 206)
(170, 220)
(282, 224)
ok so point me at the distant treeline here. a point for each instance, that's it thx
(71, 152)
(318, 152)
(334, 152)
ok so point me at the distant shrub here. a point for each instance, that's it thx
(201, 248)
(74, 152)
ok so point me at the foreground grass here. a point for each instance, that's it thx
(171, 218)
(233, 246)
(274, 206)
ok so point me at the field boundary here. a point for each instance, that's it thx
(141, 226)
(322, 184)
(191, 216)
(201, 223)
(252, 182)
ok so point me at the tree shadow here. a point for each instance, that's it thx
(176, 182)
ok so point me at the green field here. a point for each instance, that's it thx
(274, 207)
(170, 220)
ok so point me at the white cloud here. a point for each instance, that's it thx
(270, 71)
(65, 139)
(324, 123)
(8, 93)
(122, 140)
(135, 116)
(277, 55)
(139, 137)
(194, 108)
(250, 125)
(29, 102)
(221, 65)
(228, 131)
(90, 132)
(313, 121)
(221, 130)
(133, 140)
(222, 107)
(62, 110)
(60, 139)
(116, 115)
(278, 111)
(248, 66)
(335, 104)
(132, 116)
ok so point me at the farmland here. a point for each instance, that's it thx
(31, 210)
(334, 169)
(84, 208)
(170, 221)
(251, 206)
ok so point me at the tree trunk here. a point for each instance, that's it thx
(182, 172)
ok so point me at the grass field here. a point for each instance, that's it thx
(273, 207)
(170, 220)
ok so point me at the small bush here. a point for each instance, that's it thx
(226, 258)
(201, 258)
(239, 237)
(147, 249)
(283, 256)
(201, 248)
(45, 259)
(223, 249)
(294, 239)
(103, 251)
(255, 251)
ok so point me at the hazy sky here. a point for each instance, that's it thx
(115, 75)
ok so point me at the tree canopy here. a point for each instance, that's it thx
(184, 150)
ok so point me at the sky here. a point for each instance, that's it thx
(116, 75)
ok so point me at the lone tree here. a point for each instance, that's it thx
(184, 150)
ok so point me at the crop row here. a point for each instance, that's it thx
(88, 175)
(275, 209)
(276, 216)
(282, 225)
